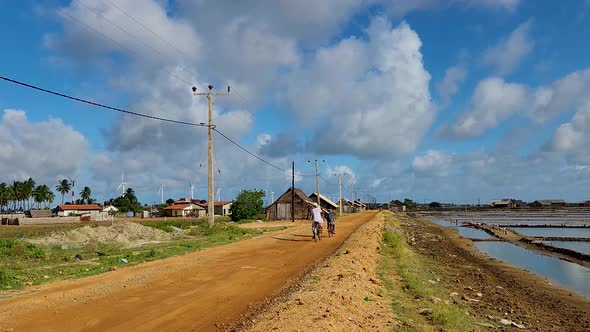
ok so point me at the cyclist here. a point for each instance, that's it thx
(331, 218)
(316, 217)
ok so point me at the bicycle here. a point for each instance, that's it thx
(331, 229)
(317, 231)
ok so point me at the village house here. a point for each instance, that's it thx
(281, 208)
(67, 210)
(325, 202)
(184, 210)
(396, 206)
(347, 206)
(219, 208)
(110, 209)
(542, 203)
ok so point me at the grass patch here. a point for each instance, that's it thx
(406, 277)
(22, 262)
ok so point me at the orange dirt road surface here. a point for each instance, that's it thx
(202, 291)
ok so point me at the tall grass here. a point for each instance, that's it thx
(405, 275)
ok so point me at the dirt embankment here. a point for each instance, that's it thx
(342, 294)
(125, 233)
(507, 292)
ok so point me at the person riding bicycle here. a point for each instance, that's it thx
(316, 216)
(331, 219)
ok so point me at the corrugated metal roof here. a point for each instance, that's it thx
(326, 199)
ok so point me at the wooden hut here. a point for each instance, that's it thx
(281, 208)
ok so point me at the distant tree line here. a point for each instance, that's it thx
(26, 195)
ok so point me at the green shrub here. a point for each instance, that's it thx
(16, 248)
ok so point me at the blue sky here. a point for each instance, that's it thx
(451, 101)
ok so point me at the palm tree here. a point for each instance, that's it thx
(49, 196)
(63, 187)
(85, 194)
(28, 188)
(4, 194)
(16, 190)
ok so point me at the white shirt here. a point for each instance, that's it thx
(317, 215)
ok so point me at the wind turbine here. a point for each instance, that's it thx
(192, 189)
(219, 194)
(123, 184)
(272, 197)
(161, 190)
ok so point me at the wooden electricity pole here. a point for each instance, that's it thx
(210, 127)
(293, 192)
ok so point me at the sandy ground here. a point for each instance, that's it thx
(507, 292)
(342, 294)
(203, 291)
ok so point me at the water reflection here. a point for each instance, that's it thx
(566, 274)
(473, 233)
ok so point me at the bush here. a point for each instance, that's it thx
(16, 248)
(247, 205)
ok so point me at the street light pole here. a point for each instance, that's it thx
(210, 127)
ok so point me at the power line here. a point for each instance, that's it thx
(145, 27)
(85, 101)
(256, 156)
(164, 40)
(121, 45)
(131, 35)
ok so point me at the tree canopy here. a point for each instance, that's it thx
(248, 203)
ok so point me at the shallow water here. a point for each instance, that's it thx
(583, 247)
(442, 222)
(566, 274)
(553, 232)
(473, 233)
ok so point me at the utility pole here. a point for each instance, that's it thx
(293, 191)
(340, 192)
(210, 127)
(317, 180)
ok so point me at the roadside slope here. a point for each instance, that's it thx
(343, 293)
(206, 290)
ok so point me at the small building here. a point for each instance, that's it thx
(46, 213)
(325, 202)
(396, 206)
(67, 210)
(502, 203)
(220, 208)
(347, 206)
(110, 209)
(544, 203)
(281, 208)
(184, 210)
(359, 205)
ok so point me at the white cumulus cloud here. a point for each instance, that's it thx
(373, 94)
(44, 150)
(509, 52)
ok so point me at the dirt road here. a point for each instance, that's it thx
(202, 291)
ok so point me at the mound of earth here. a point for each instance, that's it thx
(125, 233)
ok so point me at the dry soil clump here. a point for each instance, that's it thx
(126, 233)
